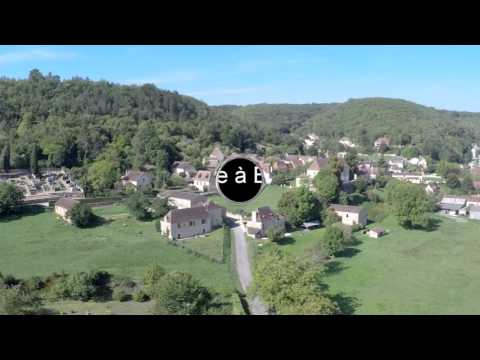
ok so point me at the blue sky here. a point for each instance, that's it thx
(446, 77)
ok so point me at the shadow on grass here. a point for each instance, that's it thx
(286, 240)
(334, 267)
(433, 225)
(347, 304)
(348, 252)
(23, 211)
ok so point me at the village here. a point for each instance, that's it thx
(193, 214)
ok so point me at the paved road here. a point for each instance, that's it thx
(244, 270)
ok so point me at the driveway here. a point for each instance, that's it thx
(244, 269)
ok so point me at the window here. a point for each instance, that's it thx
(178, 226)
(204, 221)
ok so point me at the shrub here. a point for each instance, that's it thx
(18, 301)
(140, 296)
(80, 286)
(158, 226)
(120, 294)
(34, 283)
(153, 275)
(81, 215)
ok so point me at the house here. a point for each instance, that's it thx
(266, 169)
(264, 219)
(376, 232)
(310, 140)
(384, 140)
(184, 169)
(190, 222)
(281, 166)
(432, 188)
(184, 200)
(351, 215)
(473, 200)
(316, 166)
(215, 158)
(138, 179)
(409, 177)
(452, 205)
(475, 152)
(418, 161)
(63, 206)
(367, 169)
(204, 180)
(474, 212)
(345, 141)
(397, 161)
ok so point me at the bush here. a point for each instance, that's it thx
(81, 286)
(158, 226)
(140, 296)
(34, 283)
(138, 205)
(152, 276)
(120, 294)
(81, 215)
(18, 301)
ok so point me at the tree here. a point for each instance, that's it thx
(152, 276)
(138, 205)
(280, 179)
(299, 205)
(275, 234)
(287, 285)
(160, 207)
(81, 215)
(34, 160)
(102, 175)
(10, 198)
(409, 203)
(467, 184)
(445, 167)
(330, 217)
(332, 241)
(179, 293)
(327, 185)
(453, 182)
(5, 158)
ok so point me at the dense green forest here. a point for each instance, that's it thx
(439, 134)
(100, 129)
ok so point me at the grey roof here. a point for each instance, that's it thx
(347, 208)
(66, 203)
(378, 230)
(185, 166)
(176, 216)
(450, 207)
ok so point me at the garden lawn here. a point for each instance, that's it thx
(269, 197)
(413, 271)
(210, 245)
(40, 244)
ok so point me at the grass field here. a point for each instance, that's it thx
(210, 245)
(407, 271)
(269, 197)
(40, 244)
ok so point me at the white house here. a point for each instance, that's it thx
(138, 179)
(184, 169)
(264, 219)
(474, 212)
(204, 181)
(345, 141)
(189, 222)
(310, 140)
(384, 140)
(418, 161)
(316, 166)
(397, 161)
(351, 215)
(376, 233)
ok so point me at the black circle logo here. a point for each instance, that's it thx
(239, 179)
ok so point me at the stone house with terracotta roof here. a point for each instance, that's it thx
(263, 219)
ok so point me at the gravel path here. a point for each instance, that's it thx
(244, 270)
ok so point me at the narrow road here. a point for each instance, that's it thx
(244, 269)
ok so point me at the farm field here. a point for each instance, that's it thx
(407, 271)
(269, 197)
(40, 244)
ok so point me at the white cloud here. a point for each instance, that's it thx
(33, 55)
